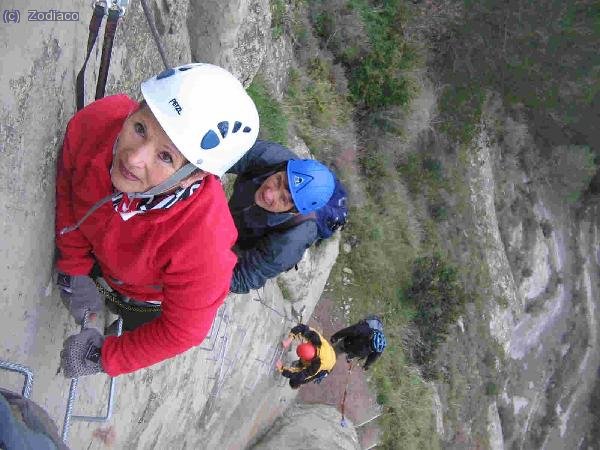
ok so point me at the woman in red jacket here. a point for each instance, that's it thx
(139, 201)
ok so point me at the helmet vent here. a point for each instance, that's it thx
(183, 69)
(247, 130)
(223, 128)
(210, 140)
(165, 74)
(236, 126)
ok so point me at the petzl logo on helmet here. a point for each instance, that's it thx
(175, 105)
(298, 180)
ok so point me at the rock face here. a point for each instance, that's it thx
(196, 399)
(231, 34)
(310, 426)
(532, 370)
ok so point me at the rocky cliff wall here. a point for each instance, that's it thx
(312, 426)
(530, 373)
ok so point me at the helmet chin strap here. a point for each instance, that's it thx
(163, 187)
(166, 185)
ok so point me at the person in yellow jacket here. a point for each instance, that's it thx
(316, 354)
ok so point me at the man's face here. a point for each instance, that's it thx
(273, 194)
(144, 156)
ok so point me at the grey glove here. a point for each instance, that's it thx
(79, 293)
(81, 353)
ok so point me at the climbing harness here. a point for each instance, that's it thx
(73, 391)
(116, 299)
(344, 422)
(96, 20)
(114, 10)
(114, 14)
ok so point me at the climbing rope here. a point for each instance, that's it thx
(154, 32)
(297, 315)
(114, 9)
(344, 422)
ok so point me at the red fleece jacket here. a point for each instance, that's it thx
(181, 255)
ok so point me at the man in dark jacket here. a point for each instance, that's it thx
(364, 339)
(273, 187)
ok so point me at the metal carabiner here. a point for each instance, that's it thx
(121, 5)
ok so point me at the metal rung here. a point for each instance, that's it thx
(220, 350)
(25, 371)
(73, 390)
(212, 334)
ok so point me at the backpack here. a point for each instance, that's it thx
(374, 323)
(328, 218)
(334, 214)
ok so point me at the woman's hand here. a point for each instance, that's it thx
(81, 353)
(286, 342)
(80, 294)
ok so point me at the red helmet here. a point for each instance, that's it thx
(306, 351)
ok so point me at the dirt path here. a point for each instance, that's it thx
(360, 405)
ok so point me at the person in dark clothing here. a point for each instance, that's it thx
(317, 357)
(273, 187)
(24, 425)
(363, 340)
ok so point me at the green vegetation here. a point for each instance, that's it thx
(438, 298)
(393, 276)
(461, 111)
(423, 174)
(285, 291)
(273, 123)
(277, 18)
(385, 243)
(571, 168)
(408, 411)
(367, 36)
(545, 65)
(377, 79)
(491, 388)
(314, 104)
(381, 263)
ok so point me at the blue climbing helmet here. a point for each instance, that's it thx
(311, 184)
(378, 341)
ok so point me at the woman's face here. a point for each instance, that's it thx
(274, 195)
(144, 156)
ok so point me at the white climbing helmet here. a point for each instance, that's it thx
(206, 112)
